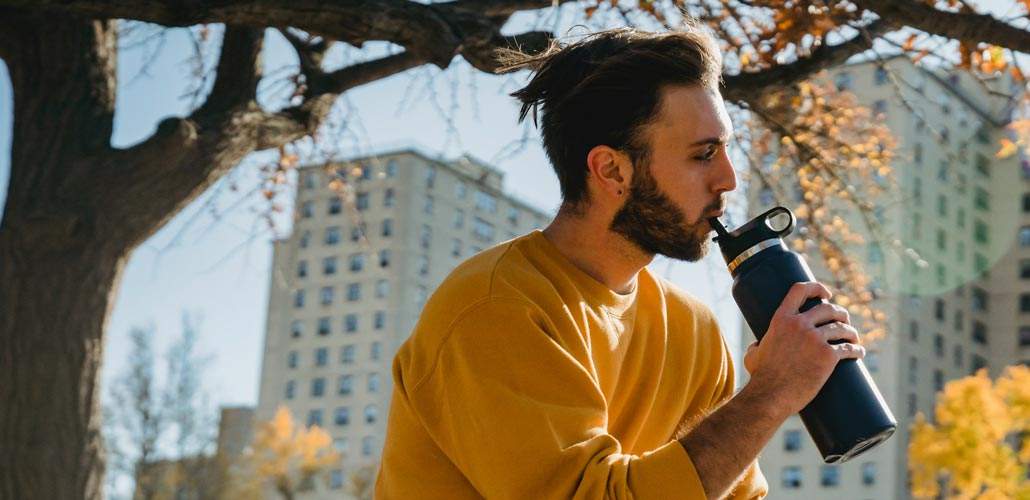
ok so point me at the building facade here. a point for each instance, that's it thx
(373, 237)
(959, 300)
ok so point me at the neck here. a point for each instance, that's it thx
(585, 240)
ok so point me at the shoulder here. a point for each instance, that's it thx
(684, 306)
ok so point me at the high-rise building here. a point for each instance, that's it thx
(960, 300)
(373, 237)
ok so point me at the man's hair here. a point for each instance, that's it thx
(604, 89)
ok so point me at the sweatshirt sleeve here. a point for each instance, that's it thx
(522, 418)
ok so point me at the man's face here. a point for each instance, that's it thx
(681, 186)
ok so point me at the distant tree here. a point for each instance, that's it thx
(285, 457)
(978, 447)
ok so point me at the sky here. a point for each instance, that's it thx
(214, 264)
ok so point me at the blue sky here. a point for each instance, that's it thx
(217, 268)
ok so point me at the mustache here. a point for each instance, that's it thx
(719, 205)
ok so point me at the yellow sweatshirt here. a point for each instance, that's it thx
(525, 378)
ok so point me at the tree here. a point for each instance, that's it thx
(158, 427)
(285, 457)
(979, 445)
(77, 207)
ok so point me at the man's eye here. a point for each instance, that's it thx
(708, 155)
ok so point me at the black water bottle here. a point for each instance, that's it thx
(848, 416)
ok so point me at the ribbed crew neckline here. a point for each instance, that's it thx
(593, 290)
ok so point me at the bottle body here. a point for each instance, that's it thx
(848, 415)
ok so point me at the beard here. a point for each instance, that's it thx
(652, 222)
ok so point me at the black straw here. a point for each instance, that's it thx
(717, 226)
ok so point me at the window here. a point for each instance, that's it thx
(942, 205)
(513, 215)
(913, 405)
(344, 385)
(1026, 202)
(791, 477)
(843, 81)
(367, 446)
(357, 262)
(941, 240)
(323, 326)
(335, 205)
(384, 258)
(979, 332)
(375, 351)
(1024, 268)
(292, 359)
(917, 153)
(321, 356)
(1024, 302)
(880, 77)
(456, 247)
(459, 219)
(357, 232)
(981, 199)
(485, 202)
(373, 382)
(387, 228)
(980, 231)
(353, 292)
(427, 207)
(326, 295)
(291, 389)
(979, 298)
(350, 323)
(366, 172)
(961, 217)
(978, 362)
(379, 320)
(307, 209)
(391, 168)
(913, 370)
(341, 416)
(382, 289)
(336, 479)
(315, 418)
(459, 190)
(959, 320)
(792, 440)
(938, 309)
(425, 237)
(296, 329)
(305, 239)
(430, 177)
(298, 298)
(829, 476)
(957, 356)
(302, 269)
(1024, 336)
(361, 201)
(938, 381)
(913, 331)
(938, 345)
(309, 180)
(879, 107)
(371, 414)
(332, 235)
(318, 387)
(1024, 236)
(482, 230)
(982, 165)
(917, 190)
(869, 473)
(329, 265)
(423, 265)
(347, 354)
(389, 197)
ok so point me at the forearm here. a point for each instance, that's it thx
(726, 442)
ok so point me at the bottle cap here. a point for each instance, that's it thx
(773, 224)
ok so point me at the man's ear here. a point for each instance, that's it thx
(609, 170)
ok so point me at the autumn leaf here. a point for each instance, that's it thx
(1008, 148)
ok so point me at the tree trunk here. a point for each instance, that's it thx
(59, 266)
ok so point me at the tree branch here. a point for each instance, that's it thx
(238, 72)
(963, 26)
(749, 87)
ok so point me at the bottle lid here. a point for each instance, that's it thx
(773, 224)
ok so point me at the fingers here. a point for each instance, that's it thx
(848, 351)
(826, 313)
(839, 332)
(799, 293)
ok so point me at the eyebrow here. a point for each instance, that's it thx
(718, 141)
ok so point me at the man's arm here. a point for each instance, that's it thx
(725, 443)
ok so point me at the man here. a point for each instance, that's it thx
(556, 365)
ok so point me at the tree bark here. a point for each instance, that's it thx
(58, 269)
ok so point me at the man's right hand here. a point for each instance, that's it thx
(795, 356)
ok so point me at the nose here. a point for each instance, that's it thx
(725, 178)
